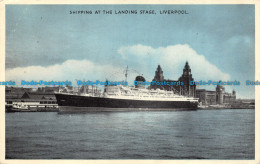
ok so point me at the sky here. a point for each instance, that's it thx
(46, 42)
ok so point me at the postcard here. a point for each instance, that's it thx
(129, 81)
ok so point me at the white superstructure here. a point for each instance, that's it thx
(126, 92)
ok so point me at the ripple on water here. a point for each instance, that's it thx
(203, 134)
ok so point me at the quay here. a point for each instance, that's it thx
(20, 99)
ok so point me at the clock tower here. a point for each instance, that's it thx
(187, 89)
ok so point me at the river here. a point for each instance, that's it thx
(201, 134)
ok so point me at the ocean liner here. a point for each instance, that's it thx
(124, 98)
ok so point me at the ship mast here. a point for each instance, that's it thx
(126, 74)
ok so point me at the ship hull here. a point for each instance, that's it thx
(87, 103)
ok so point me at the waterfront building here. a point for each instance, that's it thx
(158, 74)
(43, 98)
(185, 90)
(219, 96)
(49, 89)
(14, 94)
(229, 98)
(206, 97)
(244, 103)
(186, 77)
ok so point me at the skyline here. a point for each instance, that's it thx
(47, 43)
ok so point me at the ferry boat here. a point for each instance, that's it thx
(30, 107)
(124, 98)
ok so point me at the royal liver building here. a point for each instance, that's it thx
(186, 77)
(206, 97)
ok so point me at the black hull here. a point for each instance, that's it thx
(73, 102)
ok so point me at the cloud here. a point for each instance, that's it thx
(69, 70)
(172, 59)
(142, 58)
(137, 50)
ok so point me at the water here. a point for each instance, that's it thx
(202, 134)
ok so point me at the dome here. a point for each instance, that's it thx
(140, 78)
